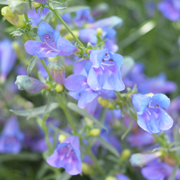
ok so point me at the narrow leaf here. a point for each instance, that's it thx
(127, 130)
(82, 112)
(30, 6)
(35, 111)
(109, 147)
(31, 65)
(176, 137)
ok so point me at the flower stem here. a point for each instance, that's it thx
(59, 17)
(89, 151)
(43, 63)
(63, 105)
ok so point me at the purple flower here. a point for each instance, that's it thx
(151, 115)
(105, 71)
(80, 90)
(122, 177)
(11, 137)
(29, 84)
(106, 23)
(67, 155)
(7, 58)
(52, 44)
(83, 16)
(158, 171)
(170, 9)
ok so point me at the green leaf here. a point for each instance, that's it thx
(83, 113)
(109, 147)
(30, 6)
(31, 65)
(72, 9)
(65, 176)
(35, 111)
(20, 157)
(60, 8)
(172, 177)
(128, 129)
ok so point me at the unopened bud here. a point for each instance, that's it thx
(105, 102)
(36, 5)
(86, 169)
(99, 31)
(19, 7)
(61, 138)
(111, 178)
(57, 71)
(15, 19)
(30, 84)
(59, 88)
(70, 37)
(125, 154)
(94, 132)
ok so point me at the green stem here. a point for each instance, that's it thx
(45, 129)
(26, 17)
(63, 105)
(59, 17)
(89, 151)
(43, 63)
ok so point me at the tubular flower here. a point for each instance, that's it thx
(67, 155)
(151, 115)
(80, 90)
(52, 44)
(29, 84)
(11, 137)
(105, 71)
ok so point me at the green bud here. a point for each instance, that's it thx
(105, 103)
(111, 178)
(36, 5)
(59, 88)
(126, 154)
(99, 31)
(94, 132)
(19, 7)
(62, 137)
(86, 169)
(15, 19)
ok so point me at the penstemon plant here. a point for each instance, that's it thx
(101, 117)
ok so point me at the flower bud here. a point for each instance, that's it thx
(59, 88)
(99, 31)
(94, 132)
(36, 5)
(111, 178)
(143, 159)
(105, 102)
(62, 137)
(30, 84)
(86, 169)
(19, 7)
(15, 19)
(125, 154)
(57, 71)
(70, 37)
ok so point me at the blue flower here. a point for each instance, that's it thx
(52, 44)
(83, 16)
(170, 9)
(7, 58)
(68, 156)
(151, 115)
(11, 137)
(104, 73)
(122, 177)
(80, 90)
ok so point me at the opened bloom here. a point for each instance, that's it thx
(151, 115)
(67, 155)
(51, 44)
(11, 137)
(80, 90)
(105, 73)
